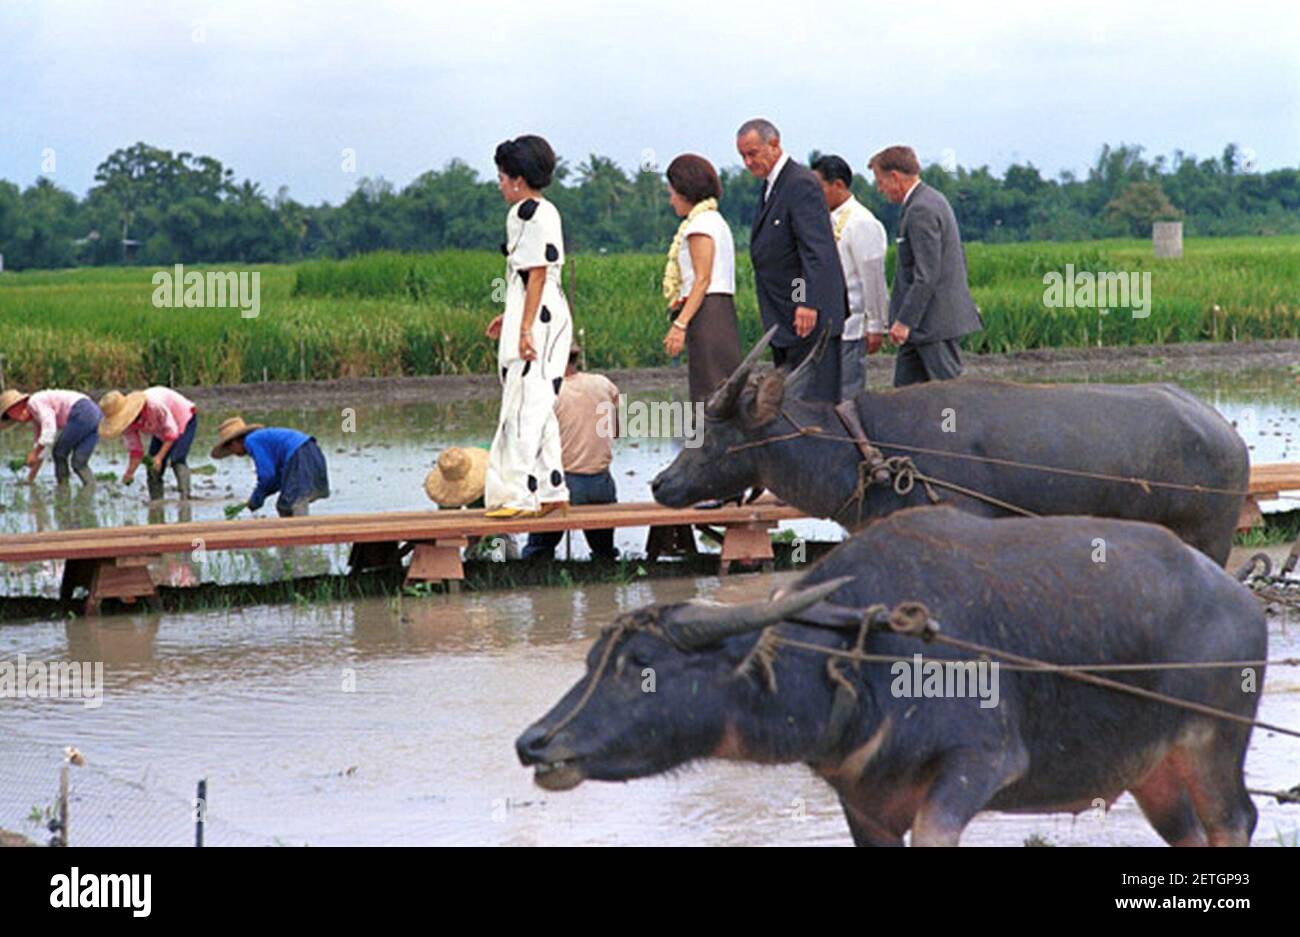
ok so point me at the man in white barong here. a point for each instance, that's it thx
(861, 243)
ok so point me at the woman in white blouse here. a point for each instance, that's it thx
(700, 278)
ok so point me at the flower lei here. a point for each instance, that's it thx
(673, 269)
(842, 222)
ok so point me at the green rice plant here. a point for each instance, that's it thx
(389, 314)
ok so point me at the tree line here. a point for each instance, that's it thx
(150, 206)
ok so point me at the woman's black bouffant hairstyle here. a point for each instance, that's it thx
(529, 158)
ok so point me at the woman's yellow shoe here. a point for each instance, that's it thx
(516, 514)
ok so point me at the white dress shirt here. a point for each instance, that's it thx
(771, 176)
(860, 240)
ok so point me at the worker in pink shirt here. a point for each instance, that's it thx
(62, 420)
(168, 417)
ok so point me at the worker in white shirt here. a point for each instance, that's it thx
(860, 240)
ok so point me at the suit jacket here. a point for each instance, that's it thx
(792, 244)
(931, 296)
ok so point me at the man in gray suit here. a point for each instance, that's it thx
(930, 308)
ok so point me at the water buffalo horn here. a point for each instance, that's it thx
(798, 377)
(698, 624)
(723, 401)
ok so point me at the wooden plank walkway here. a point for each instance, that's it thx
(1267, 482)
(112, 562)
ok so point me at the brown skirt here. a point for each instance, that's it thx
(712, 345)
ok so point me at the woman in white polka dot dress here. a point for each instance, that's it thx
(525, 475)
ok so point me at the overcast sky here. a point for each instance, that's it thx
(278, 91)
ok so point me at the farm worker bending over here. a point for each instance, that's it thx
(168, 417)
(64, 419)
(286, 460)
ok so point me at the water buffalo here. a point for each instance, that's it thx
(727, 682)
(1154, 432)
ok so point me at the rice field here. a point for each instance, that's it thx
(387, 314)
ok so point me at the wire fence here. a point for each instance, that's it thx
(104, 807)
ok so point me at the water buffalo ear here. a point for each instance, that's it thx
(765, 405)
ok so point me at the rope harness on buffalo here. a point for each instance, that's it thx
(901, 472)
(912, 618)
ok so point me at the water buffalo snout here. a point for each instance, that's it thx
(530, 745)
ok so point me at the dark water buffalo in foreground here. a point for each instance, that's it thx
(1149, 431)
(902, 759)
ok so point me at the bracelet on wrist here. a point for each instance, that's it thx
(678, 325)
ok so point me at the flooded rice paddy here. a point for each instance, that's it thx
(393, 720)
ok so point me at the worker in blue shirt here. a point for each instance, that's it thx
(286, 460)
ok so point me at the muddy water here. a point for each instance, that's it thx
(376, 723)
(379, 455)
(379, 722)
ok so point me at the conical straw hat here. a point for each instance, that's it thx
(230, 430)
(7, 400)
(120, 411)
(459, 478)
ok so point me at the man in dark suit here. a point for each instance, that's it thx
(796, 266)
(930, 308)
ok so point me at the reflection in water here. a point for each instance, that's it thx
(121, 644)
(379, 462)
(394, 721)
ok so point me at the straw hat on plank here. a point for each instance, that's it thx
(459, 478)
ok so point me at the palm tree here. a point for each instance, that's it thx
(605, 183)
